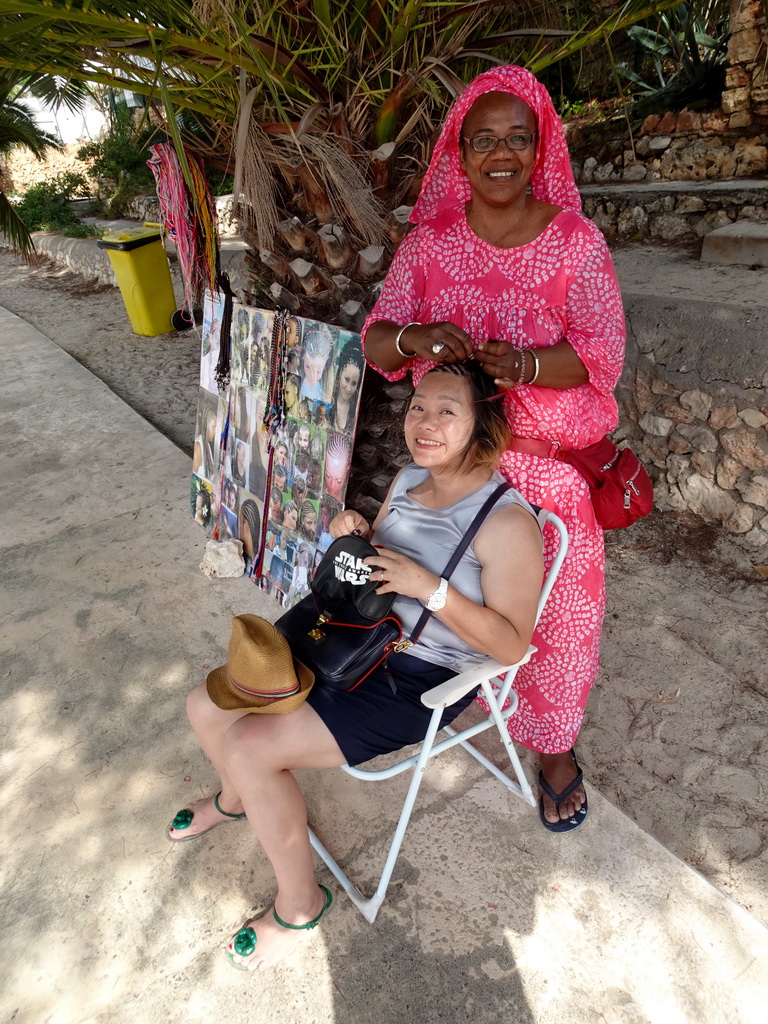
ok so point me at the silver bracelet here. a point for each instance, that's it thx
(398, 336)
(535, 366)
(519, 380)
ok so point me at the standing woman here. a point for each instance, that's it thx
(503, 266)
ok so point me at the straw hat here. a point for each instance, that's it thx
(261, 674)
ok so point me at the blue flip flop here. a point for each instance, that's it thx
(564, 824)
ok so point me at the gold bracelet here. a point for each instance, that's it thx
(535, 366)
(522, 368)
(398, 336)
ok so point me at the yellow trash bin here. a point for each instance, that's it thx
(143, 276)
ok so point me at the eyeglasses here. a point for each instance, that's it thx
(487, 143)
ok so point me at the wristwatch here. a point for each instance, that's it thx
(436, 600)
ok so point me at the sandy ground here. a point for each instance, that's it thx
(675, 727)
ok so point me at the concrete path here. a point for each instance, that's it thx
(106, 623)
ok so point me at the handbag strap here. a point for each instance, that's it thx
(455, 558)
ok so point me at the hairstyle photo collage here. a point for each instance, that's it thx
(276, 491)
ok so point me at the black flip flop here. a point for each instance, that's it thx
(564, 824)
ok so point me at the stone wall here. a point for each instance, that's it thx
(694, 406)
(673, 147)
(674, 211)
(745, 100)
(146, 208)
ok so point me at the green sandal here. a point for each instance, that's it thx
(184, 819)
(244, 943)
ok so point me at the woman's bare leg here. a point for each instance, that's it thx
(259, 752)
(210, 725)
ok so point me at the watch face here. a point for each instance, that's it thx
(436, 600)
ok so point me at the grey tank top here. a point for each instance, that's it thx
(430, 536)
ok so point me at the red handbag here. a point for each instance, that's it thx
(621, 490)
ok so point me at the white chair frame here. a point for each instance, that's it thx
(439, 698)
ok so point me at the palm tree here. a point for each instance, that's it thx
(324, 111)
(18, 129)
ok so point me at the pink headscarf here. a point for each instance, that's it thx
(445, 184)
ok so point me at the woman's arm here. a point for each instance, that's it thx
(348, 521)
(415, 340)
(509, 549)
(558, 366)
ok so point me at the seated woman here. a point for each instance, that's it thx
(455, 432)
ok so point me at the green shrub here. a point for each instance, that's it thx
(43, 207)
(119, 162)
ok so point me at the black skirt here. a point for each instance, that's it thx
(372, 720)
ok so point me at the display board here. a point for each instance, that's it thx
(272, 449)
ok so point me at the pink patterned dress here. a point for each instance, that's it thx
(561, 286)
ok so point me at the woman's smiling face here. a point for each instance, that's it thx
(440, 420)
(500, 177)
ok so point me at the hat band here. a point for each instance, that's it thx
(269, 695)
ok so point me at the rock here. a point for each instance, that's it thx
(654, 449)
(642, 393)
(667, 123)
(755, 213)
(711, 222)
(717, 121)
(679, 445)
(223, 559)
(589, 169)
(756, 538)
(723, 416)
(688, 121)
(743, 48)
(659, 143)
(379, 486)
(705, 463)
(669, 227)
(702, 438)
(643, 147)
(690, 204)
(705, 498)
(741, 119)
(663, 387)
(750, 160)
(747, 446)
(740, 520)
(635, 172)
(659, 425)
(674, 411)
(677, 465)
(698, 402)
(755, 490)
(753, 418)
(728, 472)
(650, 124)
(735, 100)
(605, 172)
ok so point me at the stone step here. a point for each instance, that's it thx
(743, 242)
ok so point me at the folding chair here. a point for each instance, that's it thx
(439, 698)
